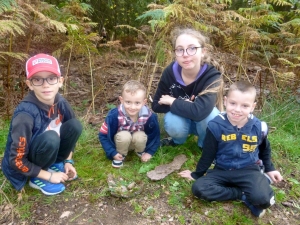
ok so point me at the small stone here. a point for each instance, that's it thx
(131, 185)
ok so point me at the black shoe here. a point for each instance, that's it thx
(167, 142)
(255, 210)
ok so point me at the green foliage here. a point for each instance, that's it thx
(6, 5)
(90, 160)
(260, 31)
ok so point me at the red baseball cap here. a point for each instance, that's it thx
(42, 62)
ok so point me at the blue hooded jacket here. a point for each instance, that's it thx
(30, 118)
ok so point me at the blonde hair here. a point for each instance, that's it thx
(216, 87)
(133, 86)
(203, 41)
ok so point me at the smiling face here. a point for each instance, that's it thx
(238, 106)
(133, 102)
(46, 92)
(189, 62)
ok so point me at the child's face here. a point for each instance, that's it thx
(133, 102)
(189, 62)
(238, 106)
(44, 91)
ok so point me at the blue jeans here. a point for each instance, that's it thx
(179, 127)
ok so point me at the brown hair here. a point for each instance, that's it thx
(242, 86)
(133, 86)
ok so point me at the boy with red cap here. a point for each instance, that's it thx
(43, 132)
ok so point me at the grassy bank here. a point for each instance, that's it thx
(93, 168)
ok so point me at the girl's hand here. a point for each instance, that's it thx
(186, 174)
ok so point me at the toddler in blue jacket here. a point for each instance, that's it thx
(130, 126)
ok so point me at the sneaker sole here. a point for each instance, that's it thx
(45, 192)
(262, 213)
(116, 166)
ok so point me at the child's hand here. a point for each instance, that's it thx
(186, 174)
(70, 171)
(58, 177)
(275, 176)
(118, 156)
(146, 157)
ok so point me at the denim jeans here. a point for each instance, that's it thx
(179, 127)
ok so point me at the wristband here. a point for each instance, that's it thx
(71, 161)
(49, 180)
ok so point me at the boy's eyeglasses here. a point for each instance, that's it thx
(190, 51)
(40, 81)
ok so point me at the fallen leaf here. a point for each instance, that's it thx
(65, 214)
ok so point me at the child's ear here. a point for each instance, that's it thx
(224, 100)
(145, 101)
(121, 99)
(253, 106)
(29, 84)
(61, 81)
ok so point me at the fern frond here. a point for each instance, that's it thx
(48, 22)
(14, 55)
(72, 27)
(6, 5)
(293, 26)
(155, 6)
(13, 27)
(156, 14)
(280, 2)
(285, 62)
(132, 28)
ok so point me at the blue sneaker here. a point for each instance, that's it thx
(46, 187)
(57, 167)
(256, 211)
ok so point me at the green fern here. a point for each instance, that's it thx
(6, 5)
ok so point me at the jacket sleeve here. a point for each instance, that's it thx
(162, 89)
(197, 110)
(153, 134)
(68, 112)
(265, 155)
(105, 133)
(203, 104)
(21, 134)
(209, 152)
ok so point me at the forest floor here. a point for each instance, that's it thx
(76, 206)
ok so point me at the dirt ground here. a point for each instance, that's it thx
(121, 211)
(109, 75)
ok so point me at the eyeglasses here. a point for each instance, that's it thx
(40, 81)
(190, 51)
